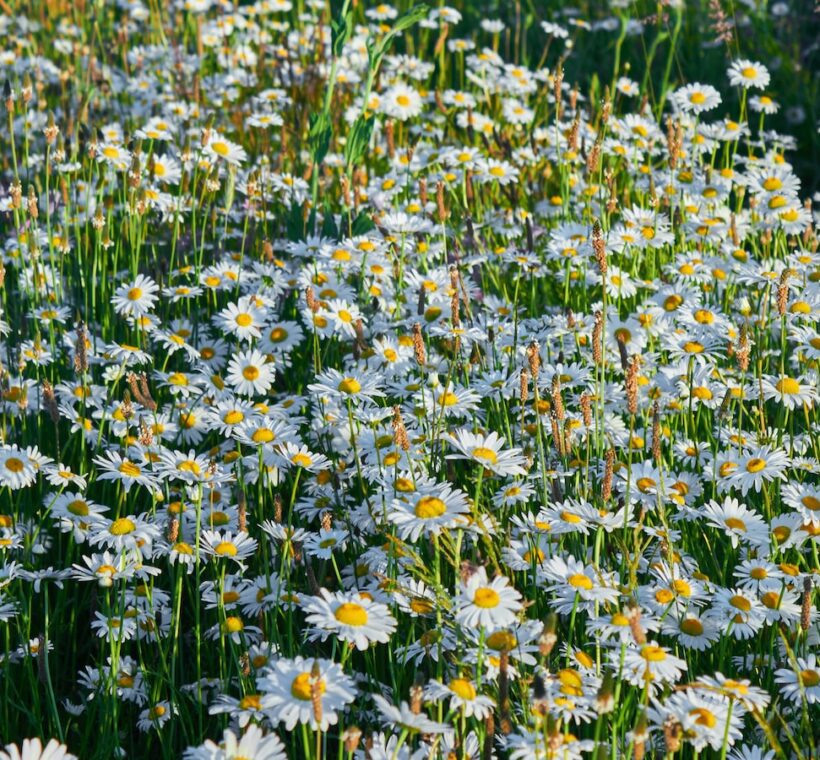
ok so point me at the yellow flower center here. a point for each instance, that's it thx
(429, 507)
(351, 613)
(652, 653)
(486, 598)
(250, 373)
(579, 580)
(226, 549)
(756, 464)
(740, 603)
(788, 386)
(463, 689)
(122, 527)
(735, 523)
(350, 386)
(488, 455)
(703, 717)
(301, 687)
(691, 627)
(809, 678)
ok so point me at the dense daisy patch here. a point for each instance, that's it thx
(371, 391)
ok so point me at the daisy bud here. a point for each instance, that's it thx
(440, 207)
(418, 345)
(783, 292)
(524, 388)
(639, 736)
(743, 351)
(534, 359)
(632, 384)
(586, 409)
(50, 402)
(416, 695)
(557, 82)
(400, 437)
(16, 191)
(145, 392)
(548, 638)
(81, 350)
(672, 734)
(656, 432)
(277, 508)
(455, 301)
(310, 299)
(605, 698)
(556, 435)
(51, 131)
(33, 208)
(389, 134)
(609, 468)
(243, 513)
(805, 611)
(597, 332)
(316, 691)
(173, 530)
(634, 616)
(351, 738)
(26, 91)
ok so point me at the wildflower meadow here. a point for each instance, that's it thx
(409, 382)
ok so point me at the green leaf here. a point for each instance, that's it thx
(295, 223)
(362, 224)
(359, 139)
(319, 136)
(413, 16)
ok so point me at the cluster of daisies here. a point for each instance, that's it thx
(498, 439)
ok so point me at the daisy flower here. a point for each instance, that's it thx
(253, 744)
(488, 451)
(401, 102)
(236, 547)
(289, 688)
(696, 98)
(789, 391)
(250, 373)
(429, 511)
(463, 696)
(490, 604)
(114, 466)
(800, 683)
(222, 148)
(737, 521)
(760, 466)
(746, 74)
(649, 665)
(137, 298)
(351, 617)
(406, 718)
(16, 468)
(32, 749)
(355, 386)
